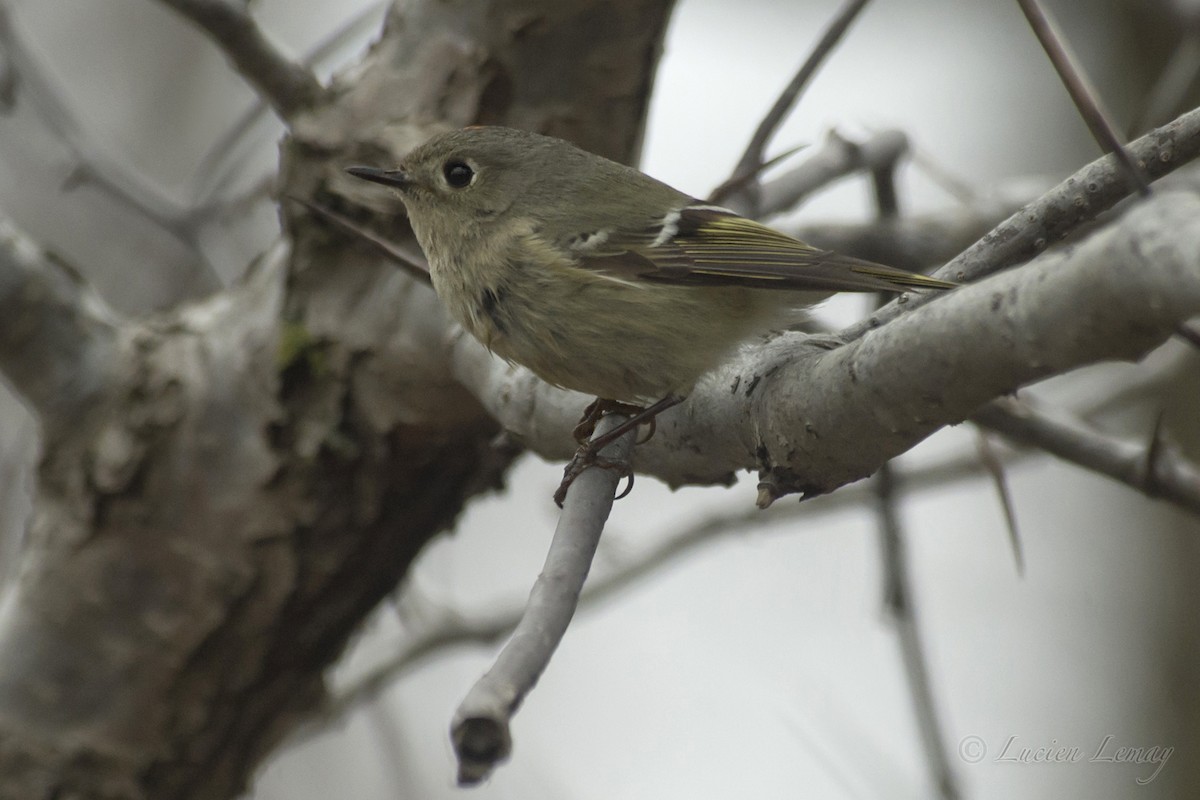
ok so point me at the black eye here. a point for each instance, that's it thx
(458, 174)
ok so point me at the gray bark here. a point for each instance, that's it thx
(227, 490)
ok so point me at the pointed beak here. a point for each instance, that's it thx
(395, 178)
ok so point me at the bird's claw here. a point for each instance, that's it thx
(586, 457)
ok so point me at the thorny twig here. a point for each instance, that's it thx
(1084, 95)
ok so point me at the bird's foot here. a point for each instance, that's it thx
(587, 456)
(588, 453)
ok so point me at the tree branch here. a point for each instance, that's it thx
(58, 344)
(1154, 470)
(811, 415)
(898, 597)
(837, 158)
(480, 729)
(1084, 95)
(439, 627)
(995, 468)
(288, 87)
(1080, 198)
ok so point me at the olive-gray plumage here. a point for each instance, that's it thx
(596, 276)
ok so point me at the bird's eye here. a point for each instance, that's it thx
(458, 174)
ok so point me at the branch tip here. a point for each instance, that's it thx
(480, 743)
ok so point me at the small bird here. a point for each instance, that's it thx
(598, 277)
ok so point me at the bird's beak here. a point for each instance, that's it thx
(395, 178)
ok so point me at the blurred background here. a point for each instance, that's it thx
(762, 662)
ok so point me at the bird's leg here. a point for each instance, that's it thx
(597, 409)
(588, 454)
(640, 416)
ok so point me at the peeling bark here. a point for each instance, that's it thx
(252, 474)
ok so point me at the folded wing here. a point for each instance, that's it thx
(710, 246)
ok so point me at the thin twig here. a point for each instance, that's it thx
(995, 467)
(406, 261)
(287, 86)
(957, 187)
(1169, 476)
(738, 182)
(1085, 96)
(898, 596)
(36, 83)
(753, 156)
(480, 730)
(1077, 200)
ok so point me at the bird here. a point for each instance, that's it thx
(598, 277)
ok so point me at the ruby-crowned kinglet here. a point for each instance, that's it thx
(600, 278)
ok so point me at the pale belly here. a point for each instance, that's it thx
(632, 342)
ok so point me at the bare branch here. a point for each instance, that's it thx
(447, 627)
(1085, 96)
(1079, 199)
(995, 467)
(412, 263)
(811, 415)
(731, 186)
(836, 158)
(753, 157)
(480, 729)
(286, 85)
(898, 596)
(948, 181)
(883, 182)
(57, 339)
(1154, 469)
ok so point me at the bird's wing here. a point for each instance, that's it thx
(710, 246)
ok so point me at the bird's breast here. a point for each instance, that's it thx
(581, 330)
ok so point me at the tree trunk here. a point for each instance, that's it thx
(226, 491)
